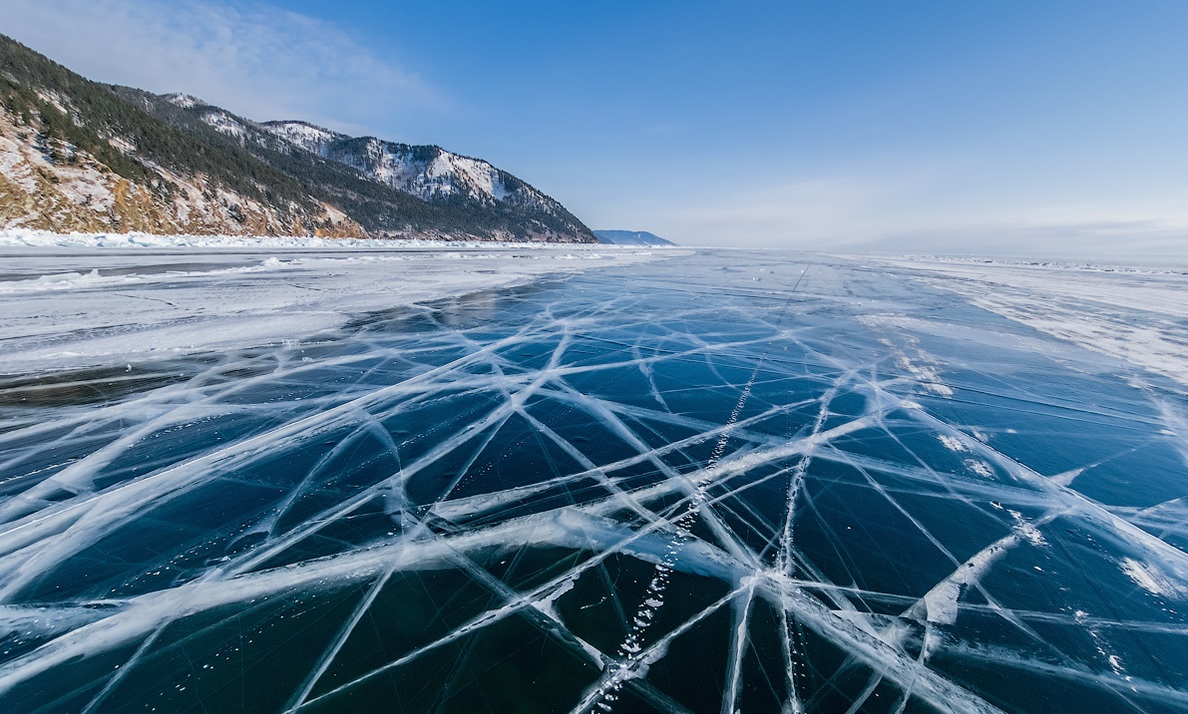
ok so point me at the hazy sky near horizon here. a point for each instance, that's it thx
(1057, 127)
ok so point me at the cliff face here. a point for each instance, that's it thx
(80, 156)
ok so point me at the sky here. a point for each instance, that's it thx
(1054, 127)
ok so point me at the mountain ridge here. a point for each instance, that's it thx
(79, 155)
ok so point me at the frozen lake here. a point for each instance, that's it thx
(314, 481)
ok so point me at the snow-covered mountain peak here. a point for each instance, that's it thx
(478, 175)
(304, 135)
(185, 101)
(225, 122)
(434, 174)
(426, 171)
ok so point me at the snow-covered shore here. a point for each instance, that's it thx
(11, 237)
(100, 299)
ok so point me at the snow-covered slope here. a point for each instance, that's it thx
(78, 155)
(427, 172)
(304, 135)
(51, 185)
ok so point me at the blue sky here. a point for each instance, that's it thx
(959, 126)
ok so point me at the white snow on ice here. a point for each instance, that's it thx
(86, 299)
(1093, 305)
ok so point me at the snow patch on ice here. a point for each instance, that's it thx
(1027, 530)
(952, 443)
(1151, 578)
(26, 237)
(1132, 313)
(247, 291)
(93, 279)
(1175, 425)
(979, 467)
(1067, 477)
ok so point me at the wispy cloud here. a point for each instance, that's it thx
(262, 62)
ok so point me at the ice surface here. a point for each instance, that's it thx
(849, 486)
(67, 304)
(1137, 314)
